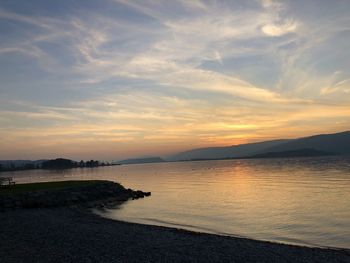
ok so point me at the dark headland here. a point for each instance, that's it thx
(67, 233)
(316, 145)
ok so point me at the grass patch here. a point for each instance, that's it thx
(32, 187)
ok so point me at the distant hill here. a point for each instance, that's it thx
(226, 152)
(337, 143)
(295, 153)
(141, 160)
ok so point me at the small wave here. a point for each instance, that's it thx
(187, 227)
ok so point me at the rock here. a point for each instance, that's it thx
(103, 192)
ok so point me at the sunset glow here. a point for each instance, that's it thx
(118, 79)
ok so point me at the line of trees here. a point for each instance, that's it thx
(58, 163)
(12, 167)
(90, 163)
(61, 163)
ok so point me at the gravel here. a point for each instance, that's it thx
(77, 235)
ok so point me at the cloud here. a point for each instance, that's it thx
(170, 73)
(279, 29)
(342, 86)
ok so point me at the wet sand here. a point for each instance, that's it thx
(77, 235)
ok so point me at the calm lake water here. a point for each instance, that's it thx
(300, 200)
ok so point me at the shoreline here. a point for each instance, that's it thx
(68, 234)
(346, 250)
(97, 212)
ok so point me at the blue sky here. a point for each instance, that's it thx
(113, 79)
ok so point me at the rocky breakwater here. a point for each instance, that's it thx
(96, 194)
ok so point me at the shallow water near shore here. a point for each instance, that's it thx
(299, 200)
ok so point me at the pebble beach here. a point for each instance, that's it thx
(66, 234)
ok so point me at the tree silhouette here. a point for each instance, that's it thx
(59, 163)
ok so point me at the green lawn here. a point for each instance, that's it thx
(22, 188)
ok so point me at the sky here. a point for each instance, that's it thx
(114, 79)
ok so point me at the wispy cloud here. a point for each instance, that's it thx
(279, 29)
(179, 73)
